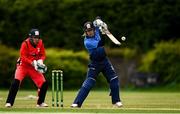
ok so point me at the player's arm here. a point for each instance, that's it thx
(104, 30)
(42, 53)
(41, 67)
(24, 53)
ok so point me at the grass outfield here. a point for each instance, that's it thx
(97, 102)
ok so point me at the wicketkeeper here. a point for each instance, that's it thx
(99, 62)
(30, 63)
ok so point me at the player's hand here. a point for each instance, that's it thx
(98, 22)
(104, 26)
(34, 64)
(41, 67)
(40, 61)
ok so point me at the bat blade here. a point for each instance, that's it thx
(112, 38)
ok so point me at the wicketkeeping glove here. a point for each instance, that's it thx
(41, 67)
(34, 64)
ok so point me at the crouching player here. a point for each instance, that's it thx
(30, 63)
(99, 62)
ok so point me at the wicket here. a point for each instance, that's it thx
(57, 77)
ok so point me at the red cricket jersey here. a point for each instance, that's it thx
(28, 53)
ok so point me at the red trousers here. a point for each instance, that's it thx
(26, 70)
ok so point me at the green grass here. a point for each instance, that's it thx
(98, 102)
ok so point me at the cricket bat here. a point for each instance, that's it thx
(111, 37)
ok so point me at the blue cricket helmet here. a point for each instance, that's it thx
(88, 26)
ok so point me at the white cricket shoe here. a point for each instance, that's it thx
(8, 105)
(74, 106)
(118, 104)
(42, 105)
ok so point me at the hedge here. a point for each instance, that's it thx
(163, 59)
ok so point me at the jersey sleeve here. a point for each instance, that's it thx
(42, 54)
(90, 44)
(24, 53)
(97, 33)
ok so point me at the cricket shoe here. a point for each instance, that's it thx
(75, 106)
(42, 105)
(118, 104)
(8, 105)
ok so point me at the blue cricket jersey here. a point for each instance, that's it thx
(95, 47)
(91, 43)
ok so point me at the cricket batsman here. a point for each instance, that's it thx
(99, 62)
(30, 63)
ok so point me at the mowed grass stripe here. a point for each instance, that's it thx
(72, 113)
(100, 101)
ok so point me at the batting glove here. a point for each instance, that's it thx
(104, 26)
(97, 22)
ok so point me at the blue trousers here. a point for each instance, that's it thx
(94, 68)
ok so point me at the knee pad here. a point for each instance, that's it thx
(114, 82)
(89, 83)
